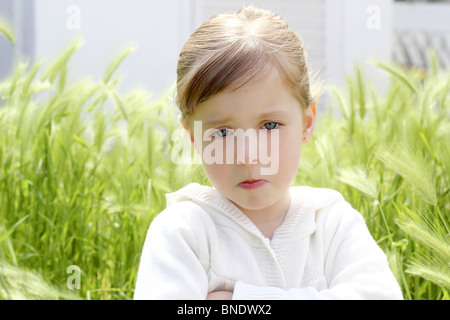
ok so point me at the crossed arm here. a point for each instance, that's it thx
(170, 269)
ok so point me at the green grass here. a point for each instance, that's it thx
(84, 169)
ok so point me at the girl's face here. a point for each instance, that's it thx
(263, 108)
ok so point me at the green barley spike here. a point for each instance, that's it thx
(116, 63)
(397, 74)
(6, 30)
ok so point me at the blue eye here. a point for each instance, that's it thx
(221, 133)
(271, 125)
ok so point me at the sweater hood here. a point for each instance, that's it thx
(305, 203)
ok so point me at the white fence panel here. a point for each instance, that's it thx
(420, 28)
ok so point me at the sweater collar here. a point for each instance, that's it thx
(209, 198)
(298, 223)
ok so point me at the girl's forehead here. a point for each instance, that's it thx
(264, 89)
(266, 97)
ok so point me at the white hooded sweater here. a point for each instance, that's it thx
(203, 243)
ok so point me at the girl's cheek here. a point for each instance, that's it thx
(290, 149)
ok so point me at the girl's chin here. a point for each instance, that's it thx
(252, 204)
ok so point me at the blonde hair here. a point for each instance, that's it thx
(232, 48)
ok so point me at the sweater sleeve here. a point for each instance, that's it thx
(170, 267)
(355, 267)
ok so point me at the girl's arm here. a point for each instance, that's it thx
(170, 267)
(220, 295)
(355, 267)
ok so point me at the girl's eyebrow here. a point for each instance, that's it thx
(214, 122)
(274, 114)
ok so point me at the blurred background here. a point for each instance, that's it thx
(79, 185)
(338, 34)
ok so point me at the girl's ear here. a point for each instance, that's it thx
(313, 108)
(310, 122)
(186, 128)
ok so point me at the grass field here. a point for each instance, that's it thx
(84, 169)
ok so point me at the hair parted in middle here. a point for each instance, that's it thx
(232, 48)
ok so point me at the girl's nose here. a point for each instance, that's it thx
(246, 147)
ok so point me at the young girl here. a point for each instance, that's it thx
(253, 235)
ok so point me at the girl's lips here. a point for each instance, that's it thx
(251, 184)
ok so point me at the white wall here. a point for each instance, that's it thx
(19, 15)
(156, 27)
(357, 32)
(6, 50)
(422, 16)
